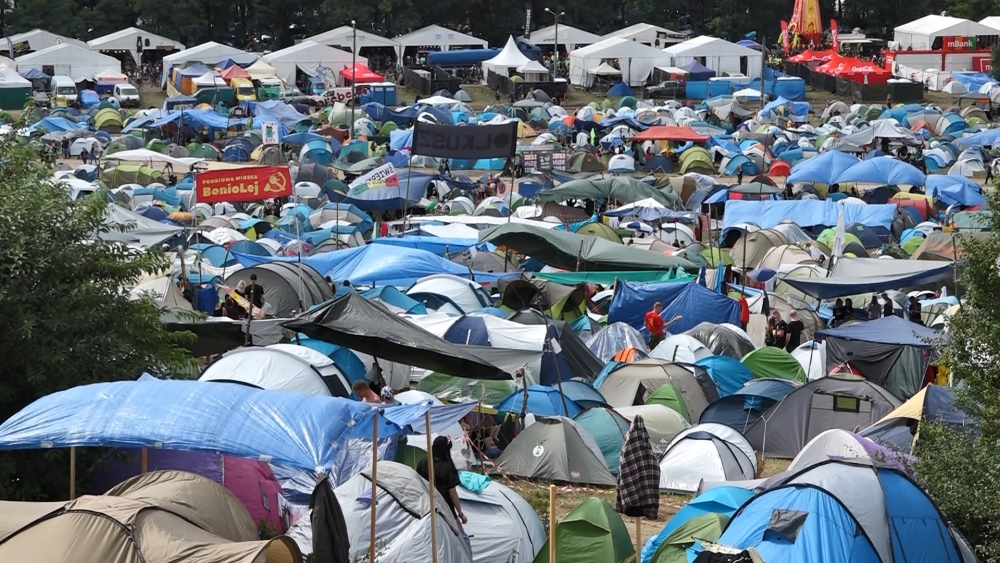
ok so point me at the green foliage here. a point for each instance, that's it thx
(995, 61)
(66, 318)
(961, 473)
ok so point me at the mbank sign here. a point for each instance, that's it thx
(467, 142)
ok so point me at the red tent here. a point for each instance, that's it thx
(858, 71)
(808, 56)
(361, 74)
(670, 133)
(235, 71)
(831, 66)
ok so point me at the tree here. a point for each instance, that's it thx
(995, 61)
(960, 472)
(66, 317)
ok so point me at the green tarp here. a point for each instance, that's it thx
(625, 190)
(771, 361)
(571, 251)
(674, 548)
(608, 278)
(461, 390)
(667, 396)
(592, 533)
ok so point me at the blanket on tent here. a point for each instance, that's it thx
(638, 474)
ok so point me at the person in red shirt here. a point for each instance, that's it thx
(744, 311)
(655, 325)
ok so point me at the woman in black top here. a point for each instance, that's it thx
(445, 475)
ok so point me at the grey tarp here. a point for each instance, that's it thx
(887, 330)
(582, 362)
(555, 449)
(854, 276)
(370, 328)
(137, 229)
(839, 401)
(625, 190)
(722, 341)
(289, 288)
(575, 252)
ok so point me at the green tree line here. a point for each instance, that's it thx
(274, 25)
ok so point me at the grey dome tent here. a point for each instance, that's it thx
(842, 401)
(709, 451)
(633, 383)
(288, 288)
(556, 449)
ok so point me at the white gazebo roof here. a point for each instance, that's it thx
(534, 67)
(343, 36)
(437, 36)
(125, 40)
(261, 69)
(209, 53)
(39, 39)
(510, 56)
(647, 33)
(708, 46)
(613, 47)
(568, 35)
(936, 26)
(68, 54)
(307, 56)
(992, 21)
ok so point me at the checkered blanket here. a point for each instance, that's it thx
(638, 474)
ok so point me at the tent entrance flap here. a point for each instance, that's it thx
(827, 407)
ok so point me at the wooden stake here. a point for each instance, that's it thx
(433, 490)
(145, 461)
(371, 544)
(552, 524)
(72, 473)
(638, 538)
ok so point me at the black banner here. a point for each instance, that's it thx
(465, 141)
(527, 20)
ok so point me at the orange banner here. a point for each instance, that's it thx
(253, 183)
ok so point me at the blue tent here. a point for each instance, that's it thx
(608, 429)
(739, 162)
(693, 302)
(717, 500)
(949, 189)
(823, 169)
(887, 330)
(377, 264)
(620, 89)
(989, 137)
(316, 151)
(741, 409)
(729, 374)
(582, 393)
(304, 431)
(57, 125)
(395, 300)
(541, 401)
(346, 361)
(411, 189)
(489, 164)
(697, 71)
(884, 170)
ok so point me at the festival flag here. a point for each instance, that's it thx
(834, 35)
(785, 40)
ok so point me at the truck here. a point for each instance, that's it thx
(126, 94)
(269, 89)
(244, 90)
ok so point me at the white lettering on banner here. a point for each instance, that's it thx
(377, 176)
(959, 44)
(862, 69)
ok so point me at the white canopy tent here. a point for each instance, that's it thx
(920, 34)
(307, 56)
(128, 39)
(648, 34)
(635, 60)
(208, 53)
(717, 54)
(571, 37)
(261, 70)
(37, 40)
(436, 36)
(69, 60)
(510, 57)
(991, 21)
(343, 37)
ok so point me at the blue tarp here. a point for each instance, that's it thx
(411, 189)
(729, 374)
(693, 302)
(989, 137)
(887, 330)
(303, 431)
(972, 81)
(58, 125)
(717, 500)
(199, 118)
(276, 110)
(805, 213)
(868, 275)
(822, 169)
(949, 189)
(883, 170)
(436, 245)
(378, 264)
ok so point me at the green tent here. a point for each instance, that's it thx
(599, 230)
(460, 389)
(715, 255)
(571, 251)
(623, 189)
(130, 174)
(156, 145)
(583, 161)
(592, 533)
(696, 159)
(109, 120)
(667, 396)
(608, 429)
(829, 235)
(771, 361)
(704, 527)
(627, 102)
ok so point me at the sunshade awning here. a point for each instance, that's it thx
(626, 190)
(853, 276)
(368, 327)
(887, 330)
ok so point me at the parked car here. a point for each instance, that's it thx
(668, 89)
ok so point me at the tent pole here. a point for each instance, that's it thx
(579, 256)
(763, 67)
(638, 538)
(433, 490)
(552, 524)
(371, 544)
(145, 461)
(72, 473)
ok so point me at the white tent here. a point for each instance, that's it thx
(991, 21)
(635, 60)
(280, 367)
(647, 34)
(307, 56)
(569, 36)
(436, 36)
(209, 79)
(127, 39)
(449, 294)
(344, 37)
(36, 40)
(164, 293)
(920, 34)
(510, 57)
(260, 70)
(710, 451)
(208, 53)
(717, 54)
(69, 60)
(502, 526)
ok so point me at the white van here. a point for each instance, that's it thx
(64, 87)
(127, 95)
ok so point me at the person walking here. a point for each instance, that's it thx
(655, 325)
